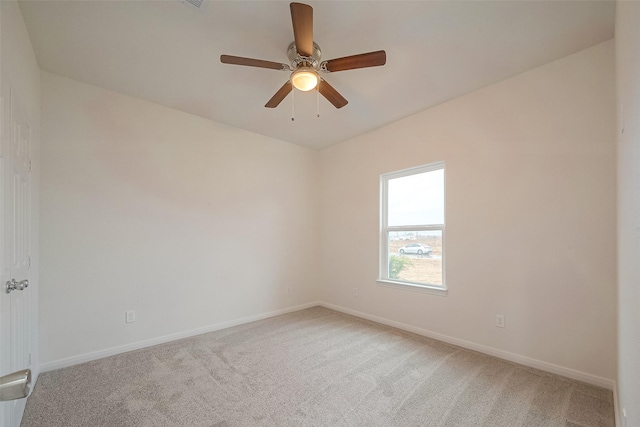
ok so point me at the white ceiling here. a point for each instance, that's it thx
(168, 53)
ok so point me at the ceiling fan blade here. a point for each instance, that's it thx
(363, 60)
(280, 95)
(239, 60)
(331, 94)
(302, 19)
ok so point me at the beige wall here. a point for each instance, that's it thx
(192, 223)
(188, 222)
(628, 130)
(530, 217)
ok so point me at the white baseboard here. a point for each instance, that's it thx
(512, 357)
(87, 357)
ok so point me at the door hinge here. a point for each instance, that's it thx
(30, 166)
(29, 261)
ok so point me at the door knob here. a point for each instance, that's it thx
(14, 285)
(15, 385)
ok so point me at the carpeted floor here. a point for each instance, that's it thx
(314, 367)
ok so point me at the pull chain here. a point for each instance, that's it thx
(293, 105)
(318, 101)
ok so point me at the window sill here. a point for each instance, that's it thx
(429, 289)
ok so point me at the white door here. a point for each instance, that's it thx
(15, 260)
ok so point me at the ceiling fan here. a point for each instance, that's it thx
(305, 66)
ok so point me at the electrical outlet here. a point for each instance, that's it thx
(355, 292)
(500, 320)
(130, 316)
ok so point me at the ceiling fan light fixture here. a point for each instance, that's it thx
(304, 79)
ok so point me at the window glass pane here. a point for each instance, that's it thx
(415, 256)
(416, 199)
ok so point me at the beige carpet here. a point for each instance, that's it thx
(314, 367)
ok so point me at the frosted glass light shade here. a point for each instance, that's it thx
(304, 79)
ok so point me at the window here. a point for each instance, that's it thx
(412, 227)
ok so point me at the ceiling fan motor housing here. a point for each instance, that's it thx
(297, 60)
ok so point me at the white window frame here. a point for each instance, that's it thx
(383, 277)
